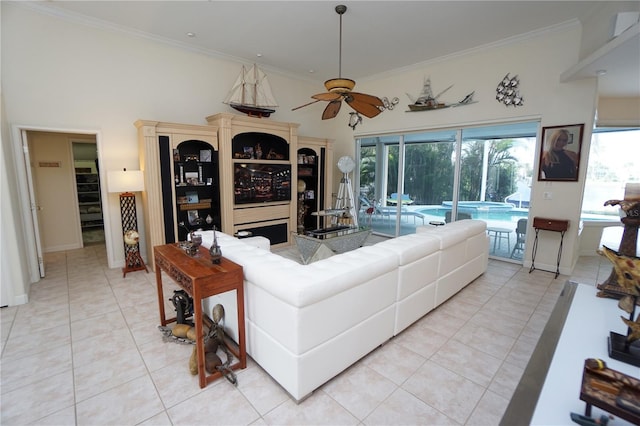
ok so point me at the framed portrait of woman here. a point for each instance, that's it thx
(560, 153)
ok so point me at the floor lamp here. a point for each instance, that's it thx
(126, 183)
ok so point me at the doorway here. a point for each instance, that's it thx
(30, 208)
(66, 188)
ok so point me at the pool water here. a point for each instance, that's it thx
(499, 213)
(480, 205)
(511, 215)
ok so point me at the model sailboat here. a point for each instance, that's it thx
(251, 93)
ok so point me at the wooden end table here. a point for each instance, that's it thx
(545, 224)
(201, 279)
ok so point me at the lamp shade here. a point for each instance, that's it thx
(125, 181)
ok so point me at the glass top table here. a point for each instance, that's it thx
(321, 243)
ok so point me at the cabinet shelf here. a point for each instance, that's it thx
(89, 202)
(263, 161)
(196, 190)
(259, 146)
(311, 165)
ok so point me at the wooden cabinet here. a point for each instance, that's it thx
(196, 187)
(314, 162)
(253, 169)
(164, 148)
(256, 175)
(88, 188)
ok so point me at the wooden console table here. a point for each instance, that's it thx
(201, 279)
(556, 225)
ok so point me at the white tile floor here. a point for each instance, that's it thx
(86, 350)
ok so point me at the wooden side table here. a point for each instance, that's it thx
(556, 225)
(201, 279)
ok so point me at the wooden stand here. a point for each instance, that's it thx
(556, 225)
(133, 261)
(200, 278)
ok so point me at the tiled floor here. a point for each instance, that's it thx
(86, 350)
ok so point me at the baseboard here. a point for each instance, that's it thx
(64, 247)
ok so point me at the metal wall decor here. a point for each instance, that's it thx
(426, 101)
(507, 91)
(390, 104)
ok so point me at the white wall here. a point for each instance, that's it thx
(15, 275)
(538, 62)
(61, 74)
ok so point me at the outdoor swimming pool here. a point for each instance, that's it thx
(501, 214)
(491, 211)
(492, 206)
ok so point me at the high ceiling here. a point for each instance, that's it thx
(301, 38)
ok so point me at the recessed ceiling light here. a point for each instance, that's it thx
(600, 73)
(312, 71)
(259, 55)
(190, 34)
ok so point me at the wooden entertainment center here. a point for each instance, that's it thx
(242, 176)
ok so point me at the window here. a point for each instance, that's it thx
(416, 178)
(614, 160)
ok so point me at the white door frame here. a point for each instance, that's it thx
(34, 208)
(21, 160)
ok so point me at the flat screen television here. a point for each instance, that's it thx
(261, 183)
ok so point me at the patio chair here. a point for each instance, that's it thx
(404, 199)
(521, 237)
(369, 208)
(459, 216)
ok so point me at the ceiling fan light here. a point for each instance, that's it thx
(340, 85)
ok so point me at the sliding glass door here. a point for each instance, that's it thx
(416, 179)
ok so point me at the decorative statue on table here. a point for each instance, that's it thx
(627, 269)
(214, 251)
(624, 281)
(630, 205)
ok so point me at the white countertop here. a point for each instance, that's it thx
(584, 335)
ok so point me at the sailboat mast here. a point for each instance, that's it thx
(244, 85)
(255, 84)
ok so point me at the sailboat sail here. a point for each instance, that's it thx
(251, 93)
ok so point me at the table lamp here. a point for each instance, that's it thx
(126, 183)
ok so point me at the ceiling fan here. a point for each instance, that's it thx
(339, 89)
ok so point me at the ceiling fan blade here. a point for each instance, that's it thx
(331, 110)
(367, 105)
(327, 96)
(370, 99)
(302, 106)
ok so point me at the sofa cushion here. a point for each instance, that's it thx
(454, 232)
(324, 278)
(448, 235)
(412, 247)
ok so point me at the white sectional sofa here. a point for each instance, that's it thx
(307, 323)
